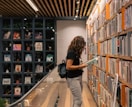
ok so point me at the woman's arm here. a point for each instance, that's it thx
(70, 66)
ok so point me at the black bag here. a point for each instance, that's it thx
(62, 69)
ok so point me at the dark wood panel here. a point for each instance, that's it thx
(48, 8)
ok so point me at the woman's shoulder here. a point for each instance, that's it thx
(71, 52)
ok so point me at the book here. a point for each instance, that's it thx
(17, 68)
(17, 90)
(17, 47)
(28, 57)
(92, 60)
(16, 35)
(39, 56)
(7, 35)
(38, 35)
(6, 81)
(28, 35)
(38, 46)
(28, 46)
(27, 80)
(17, 56)
(49, 58)
(7, 57)
(39, 68)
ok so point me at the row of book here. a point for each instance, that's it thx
(102, 62)
(93, 49)
(38, 46)
(17, 91)
(120, 66)
(128, 17)
(18, 46)
(102, 96)
(28, 57)
(125, 70)
(28, 46)
(105, 80)
(120, 45)
(124, 95)
(124, 19)
(113, 66)
(7, 81)
(114, 26)
(108, 29)
(18, 68)
(114, 6)
(100, 11)
(121, 21)
(17, 35)
(120, 2)
(17, 79)
(96, 19)
(27, 68)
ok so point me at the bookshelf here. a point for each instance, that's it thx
(28, 53)
(109, 30)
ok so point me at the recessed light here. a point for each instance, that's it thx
(32, 5)
(77, 1)
(76, 16)
(25, 18)
(74, 19)
(77, 10)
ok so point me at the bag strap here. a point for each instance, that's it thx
(63, 61)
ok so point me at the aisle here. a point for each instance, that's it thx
(53, 92)
(57, 94)
(66, 99)
(88, 100)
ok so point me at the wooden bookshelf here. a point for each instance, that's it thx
(113, 37)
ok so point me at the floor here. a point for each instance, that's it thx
(57, 94)
(53, 92)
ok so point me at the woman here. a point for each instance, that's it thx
(74, 69)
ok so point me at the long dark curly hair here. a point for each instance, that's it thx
(77, 45)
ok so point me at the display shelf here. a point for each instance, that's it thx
(25, 45)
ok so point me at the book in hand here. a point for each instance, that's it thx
(94, 60)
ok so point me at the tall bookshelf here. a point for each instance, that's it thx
(27, 54)
(109, 29)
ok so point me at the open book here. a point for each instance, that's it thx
(92, 60)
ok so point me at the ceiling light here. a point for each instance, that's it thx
(25, 18)
(77, 11)
(76, 16)
(32, 5)
(77, 2)
(74, 19)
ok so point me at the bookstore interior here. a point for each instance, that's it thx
(28, 46)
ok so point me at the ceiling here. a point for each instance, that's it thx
(47, 8)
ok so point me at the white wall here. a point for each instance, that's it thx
(66, 31)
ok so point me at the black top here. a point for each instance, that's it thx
(73, 73)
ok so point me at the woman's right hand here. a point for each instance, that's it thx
(83, 65)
